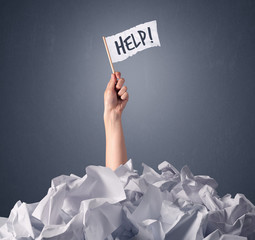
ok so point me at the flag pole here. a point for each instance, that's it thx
(108, 53)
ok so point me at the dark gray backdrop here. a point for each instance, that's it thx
(191, 100)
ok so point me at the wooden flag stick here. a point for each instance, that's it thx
(108, 53)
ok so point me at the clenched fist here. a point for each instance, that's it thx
(115, 96)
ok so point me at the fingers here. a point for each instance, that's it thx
(123, 93)
(122, 90)
(124, 96)
(112, 82)
(117, 74)
(120, 83)
(115, 84)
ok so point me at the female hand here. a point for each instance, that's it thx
(115, 96)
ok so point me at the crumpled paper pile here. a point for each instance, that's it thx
(120, 205)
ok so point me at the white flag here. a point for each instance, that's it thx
(125, 44)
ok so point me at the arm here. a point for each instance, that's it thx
(115, 100)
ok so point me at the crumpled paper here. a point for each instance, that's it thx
(121, 204)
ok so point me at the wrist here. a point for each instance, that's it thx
(111, 117)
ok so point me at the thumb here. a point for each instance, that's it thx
(112, 82)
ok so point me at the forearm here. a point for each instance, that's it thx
(115, 152)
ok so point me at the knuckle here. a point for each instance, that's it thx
(120, 82)
(117, 74)
(124, 96)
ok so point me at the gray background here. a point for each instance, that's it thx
(191, 100)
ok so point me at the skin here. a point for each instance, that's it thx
(115, 100)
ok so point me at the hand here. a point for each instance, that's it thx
(115, 96)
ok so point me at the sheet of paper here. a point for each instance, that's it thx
(126, 44)
(2, 221)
